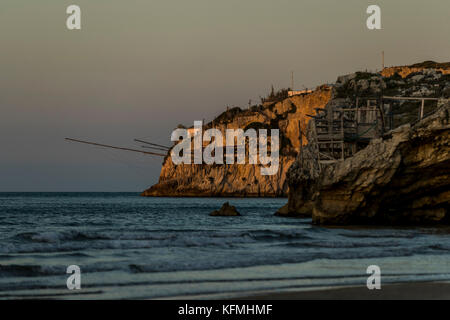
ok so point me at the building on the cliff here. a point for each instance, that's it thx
(292, 93)
(341, 131)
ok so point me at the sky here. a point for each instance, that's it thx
(138, 68)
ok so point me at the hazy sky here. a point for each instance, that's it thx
(138, 68)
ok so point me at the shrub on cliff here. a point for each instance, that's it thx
(276, 96)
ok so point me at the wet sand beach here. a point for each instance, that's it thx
(401, 291)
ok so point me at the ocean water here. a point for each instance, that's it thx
(133, 247)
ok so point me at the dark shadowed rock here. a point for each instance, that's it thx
(225, 211)
(403, 178)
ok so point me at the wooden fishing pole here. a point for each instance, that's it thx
(152, 144)
(154, 148)
(114, 147)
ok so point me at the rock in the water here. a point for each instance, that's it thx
(283, 211)
(226, 211)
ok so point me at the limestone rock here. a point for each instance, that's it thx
(403, 178)
(417, 77)
(429, 66)
(225, 211)
(346, 78)
(283, 211)
(245, 180)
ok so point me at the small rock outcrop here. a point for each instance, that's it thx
(225, 211)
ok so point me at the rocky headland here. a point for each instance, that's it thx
(245, 180)
(402, 177)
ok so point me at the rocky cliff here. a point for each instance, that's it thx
(245, 180)
(427, 79)
(405, 71)
(403, 177)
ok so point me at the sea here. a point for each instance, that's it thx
(131, 247)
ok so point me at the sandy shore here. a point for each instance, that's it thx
(418, 290)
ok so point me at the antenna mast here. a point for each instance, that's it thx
(292, 80)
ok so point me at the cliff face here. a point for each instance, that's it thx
(404, 178)
(405, 71)
(245, 179)
(428, 79)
